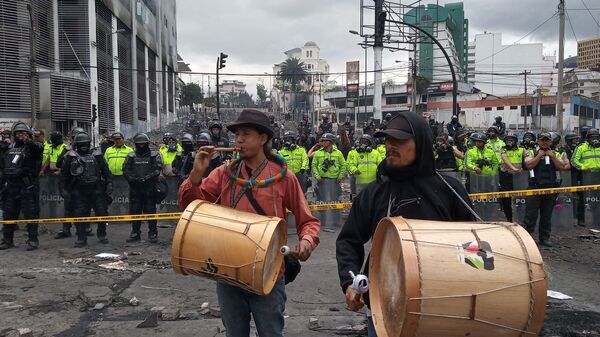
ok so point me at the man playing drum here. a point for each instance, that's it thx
(276, 189)
(407, 185)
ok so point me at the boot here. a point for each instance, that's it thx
(102, 238)
(153, 237)
(62, 234)
(81, 242)
(134, 237)
(32, 245)
(6, 244)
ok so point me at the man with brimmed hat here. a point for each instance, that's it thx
(544, 163)
(407, 185)
(256, 164)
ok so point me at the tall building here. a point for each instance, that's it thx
(588, 53)
(231, 88)
(103, 65)
(450, 27)
(494, 68)
(317, 69)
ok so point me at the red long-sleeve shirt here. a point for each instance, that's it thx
(275, 199)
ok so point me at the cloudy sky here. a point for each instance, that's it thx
(255, 33)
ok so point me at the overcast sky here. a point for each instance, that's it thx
(255, 33)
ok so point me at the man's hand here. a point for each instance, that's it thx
(550, 153)
(339, 180)
(477, 170)
(302, 250)
(588, 170)
(319, 180)
(56, 173)
(354, 301)
(357, 172)
(41, 174)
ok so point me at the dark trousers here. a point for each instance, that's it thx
(544, 205)
(142, 201)
(84, 200)
(17, 199)
(506, 184)
(579, 206)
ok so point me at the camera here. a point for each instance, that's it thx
(327, 163)
(483, 162)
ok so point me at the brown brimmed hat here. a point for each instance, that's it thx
(253, 119)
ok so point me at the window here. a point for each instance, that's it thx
(488, 109)
(581, 91)
(396, 100)
(514, 107)
(307, 53)
(500, 108)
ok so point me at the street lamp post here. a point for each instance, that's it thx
(365, 47)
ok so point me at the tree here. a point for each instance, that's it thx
(191, 94)
(208, 102)
(261, 92)
(293, 71)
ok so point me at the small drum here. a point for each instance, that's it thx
(433, 278)
(230, 246)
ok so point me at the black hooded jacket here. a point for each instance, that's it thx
(415, 192)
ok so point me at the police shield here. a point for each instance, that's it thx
(592, 199)
(488, 209)
(328, 192)
(562, 215)
(520, 181)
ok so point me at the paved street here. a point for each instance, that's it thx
(45, 290)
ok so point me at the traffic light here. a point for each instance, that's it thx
(94, 112)
(222, 61)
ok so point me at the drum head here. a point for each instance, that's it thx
(394, 270)
(273, 258)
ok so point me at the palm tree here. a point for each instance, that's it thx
(293, 71)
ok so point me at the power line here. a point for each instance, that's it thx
(571, 24)
(519, 40)
(586, 7)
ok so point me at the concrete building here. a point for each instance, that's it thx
(231, 87)
(477, 111)
(582, 82)
(450, 27)
(588, 53)
(318, 75)
(494, 68)
(103, 65)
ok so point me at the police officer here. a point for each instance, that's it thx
(296, 158)
(349, 128)
(512, 164)
(217, 139)
(445, 157)
(142, 169)
(216, 160)
(363, 162)
(380, 141)
(494, 142)
(453, 126)
(528, 142)
(325, 126)
(168, 153)
(19, 183)
(481, 159)
(544, 164)
(500, 125)
(387, 118)
(67, 201)
(85, 177)
(369, 127)
(116, 154)
(571, 143)
(51, 154)
(187, 146)
(329, 168)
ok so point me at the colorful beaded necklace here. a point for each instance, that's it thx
(250, 183)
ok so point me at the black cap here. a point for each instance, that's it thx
(398, 128)
(116, 135)
(544, 135)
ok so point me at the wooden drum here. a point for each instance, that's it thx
(433, 278)
(230, 246)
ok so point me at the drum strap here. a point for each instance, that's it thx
(235, 198)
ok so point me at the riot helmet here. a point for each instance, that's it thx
(167, 136)
(142, 143)
(187, 142)
(593, 137)
(203, 139)
(511, 140)
(328, 136)
(82, 142)
(56, 138)
(492, 132)
(365, 143)
(572, 140)
(289, 140)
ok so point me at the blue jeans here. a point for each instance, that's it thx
(370, 327)
(237, 305)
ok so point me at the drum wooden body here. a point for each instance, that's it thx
(430, 278)
(230, 246)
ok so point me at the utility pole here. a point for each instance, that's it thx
(220, 65)
(33, 67)
(561, 66)
(413, 93)
(525, 105)
(380, 17)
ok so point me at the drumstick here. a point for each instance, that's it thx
(226, 149)
(285, 250)
(360, 284)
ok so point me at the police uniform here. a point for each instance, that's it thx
(142, 169)
(329, 167)
(85, 176)
(515, 157)
(115, 158)
(296, 158)
(20, 186)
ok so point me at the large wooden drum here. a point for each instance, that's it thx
(432, 278)
(230, 246)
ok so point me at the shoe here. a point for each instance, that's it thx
(133, 238)
(89, 232)
(580, 223)
(102, 239)
(62, 235)
(546, 243)
(32, 245)
(153, 238)
(6, 245)
(80, 243)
